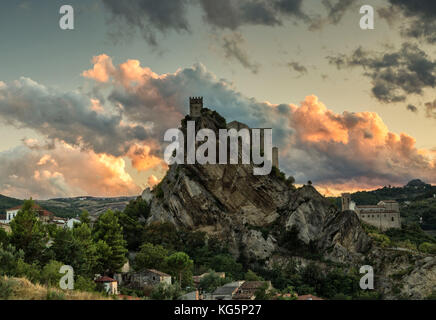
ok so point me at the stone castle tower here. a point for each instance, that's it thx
(195, 106)
(345, 201)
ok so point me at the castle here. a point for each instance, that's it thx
(385, 215)
(195, 107)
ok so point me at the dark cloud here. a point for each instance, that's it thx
(231, 14)
(394, 74)
(422, 16)
(66, 116)
(150, 15)
(336, 10)
(430, 109)
(412, 108)
(232, 45)
(298, 67)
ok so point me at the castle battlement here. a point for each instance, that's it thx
(195, 106)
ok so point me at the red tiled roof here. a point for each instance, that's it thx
(105, 279)
(37, 207)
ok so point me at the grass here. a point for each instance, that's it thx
(23, 289)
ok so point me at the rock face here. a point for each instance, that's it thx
(230, 202)
(265, 218)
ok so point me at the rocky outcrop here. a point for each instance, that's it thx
(231, 203)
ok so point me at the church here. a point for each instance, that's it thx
(385, 215)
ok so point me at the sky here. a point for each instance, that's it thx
(84, 111)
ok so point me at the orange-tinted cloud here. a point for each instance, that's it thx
(152, 181)
(63, 172)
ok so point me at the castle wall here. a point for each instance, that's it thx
(381, 220)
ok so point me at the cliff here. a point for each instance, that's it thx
(265, 217)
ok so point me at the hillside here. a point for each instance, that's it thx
(71, 207)
(266, 222)
(23, 289)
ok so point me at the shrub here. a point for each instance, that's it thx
(6, 286)
(55, 295)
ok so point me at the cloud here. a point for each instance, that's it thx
(67, 116)
(394, 74)
(149, 16)
(412, 108)
(153, 18)
(62, 172)
(232, 14)
(430, 109)
(354, 150)
(422, 18)
(152, 181)
(296, 66)
(337, 9)
(232, 45)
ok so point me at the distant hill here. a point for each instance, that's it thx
(71, 207)
(417, 199)
(6, 203)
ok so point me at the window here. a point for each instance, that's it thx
(392, 218)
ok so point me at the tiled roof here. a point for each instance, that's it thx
(160, 273)
(105, 279)
(249, 285)
(224, 291)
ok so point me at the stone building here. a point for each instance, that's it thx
(385, 215)
(142, 279)
(195, 107)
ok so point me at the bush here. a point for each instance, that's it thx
(55, 295)
(6, 286)
(166, 292)
(427, 247)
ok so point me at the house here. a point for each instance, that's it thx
(142, 279)
(227, 291)
(44, 215)
(109, 285)
(70, 223)
(247, 291)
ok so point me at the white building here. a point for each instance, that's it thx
(71, 222)
(10, 215)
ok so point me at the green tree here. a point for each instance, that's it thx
(252, 276)
(178, 263)
(212, 281)
(50, 275)
(166, 292)
(226, 263)
(108, 229)
(9, 258)
(4, 238)
(85, 218)
(150, 256)
(28, 233)
(82, 234)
